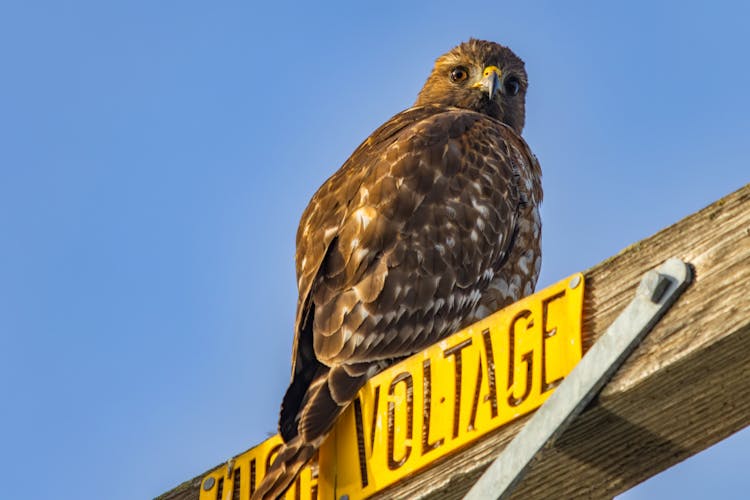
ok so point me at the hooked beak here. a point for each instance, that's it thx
(490, 81)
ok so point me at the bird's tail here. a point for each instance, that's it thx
(290, 460)
(304, 430)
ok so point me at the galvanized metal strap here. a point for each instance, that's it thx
(656, 292)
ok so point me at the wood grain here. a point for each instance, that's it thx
(686, 387)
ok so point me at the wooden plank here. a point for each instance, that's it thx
(658, 290)
(685, 388)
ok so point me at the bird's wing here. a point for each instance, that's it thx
(324, 216)
(395, 249)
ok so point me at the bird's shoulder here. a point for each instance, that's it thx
(404, 144)
(414, 130)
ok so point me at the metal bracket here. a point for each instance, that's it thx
(657, 291)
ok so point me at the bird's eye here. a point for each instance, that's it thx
(459, 74)
(511, 86)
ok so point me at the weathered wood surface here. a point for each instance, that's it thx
(686, 387)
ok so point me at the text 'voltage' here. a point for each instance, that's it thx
(434, 402)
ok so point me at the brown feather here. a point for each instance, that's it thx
(430, 224)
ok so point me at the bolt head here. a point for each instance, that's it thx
(654, 285)
(575, 281)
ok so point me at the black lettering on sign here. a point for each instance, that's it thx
(271, 455)
(314, 477)
(252, 476)
(220, 488)
(407, 379)
(375, 407)
(527, 358)
(546, 386)
(427, 410)
(475, 400)
(492, 395)
(456, 351)
(298, 488)
(361, 434)
(360, 442)
(236, 484)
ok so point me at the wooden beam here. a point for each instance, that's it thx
(686, 387)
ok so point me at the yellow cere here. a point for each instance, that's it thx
(434, 402)
(490, 69)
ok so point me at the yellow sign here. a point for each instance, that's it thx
(241, 476)
(436, 401)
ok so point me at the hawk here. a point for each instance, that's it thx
(429, 226)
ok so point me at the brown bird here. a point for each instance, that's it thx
(429, 226)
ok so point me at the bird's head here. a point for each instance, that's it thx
(481, 76)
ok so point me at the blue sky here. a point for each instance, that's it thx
(155, 158)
